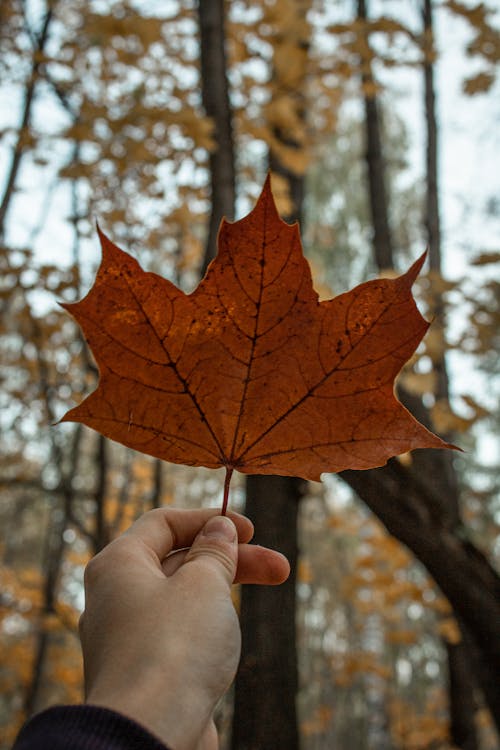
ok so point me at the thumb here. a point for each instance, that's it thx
(216, 547)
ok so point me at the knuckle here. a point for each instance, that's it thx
(156, 513)
(94, 569)
(214, 553)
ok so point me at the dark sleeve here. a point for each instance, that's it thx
(84, 728)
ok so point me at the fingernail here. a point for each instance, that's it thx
(220, 527)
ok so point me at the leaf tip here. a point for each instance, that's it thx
(266, 197)
(107, 246)
(453, 447)
(415, 269)
(62, 419)
(103, 239)
(67, 306)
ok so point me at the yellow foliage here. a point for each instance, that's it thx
(236, 598)
(486, 258)
(192, 252)
(294, 159)
(406, 459)
(445, 420)
(392, 552)
(441, 605)
(304, 571)
(419, 382)
(68, 615)
(479, 411)
(399, 590)
(51, 623)
(449, 630)
(417, 732)
(402, 637)
(319, 721)
(142, 471)
(438, 285)
(11, 731)
(68, 676)
(290, 64)
(281, 112)
(348, 667)
(79, 131)
(435, 343)
(371, 89)
(335, 522)
(111, 508)
(30, 577)
(77, 557)
(282, 197)
(19, 660)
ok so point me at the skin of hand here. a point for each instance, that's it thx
(160, 635)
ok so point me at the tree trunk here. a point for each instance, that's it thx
(51, 566)
(462, 702)
(419, 504)
(266, 684)
(432, 223)
(382, 239)
(265, 716)
(460, 661)
(157, 489)
(101, 530)
(459, 569)
(431, 217)
(215, 97)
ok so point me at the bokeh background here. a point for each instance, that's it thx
(379, 123)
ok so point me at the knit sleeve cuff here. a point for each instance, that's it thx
(84, 728)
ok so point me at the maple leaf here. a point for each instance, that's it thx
(250, 371)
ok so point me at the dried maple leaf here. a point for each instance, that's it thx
(251, 371)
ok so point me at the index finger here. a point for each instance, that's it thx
(163, 530)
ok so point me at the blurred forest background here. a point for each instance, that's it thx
(157, 118)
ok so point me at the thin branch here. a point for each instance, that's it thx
(19, 148)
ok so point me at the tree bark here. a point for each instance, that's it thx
(431, 218)
(60, 517)
(157, 489)
(462, 702)
(51, 566)
(382, 239)
(101, 530)
(215, 97)
(265, 716)
(463, 574)
(266, 684)
(432, 222)
(419, 504)
(460, 657)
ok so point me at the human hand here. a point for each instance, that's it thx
(160, 636)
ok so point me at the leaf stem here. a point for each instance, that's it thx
(227, 482)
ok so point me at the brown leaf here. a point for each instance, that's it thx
(251, 371)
